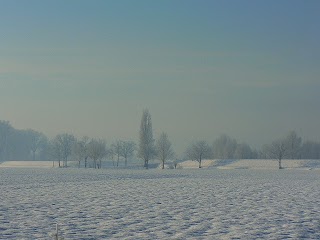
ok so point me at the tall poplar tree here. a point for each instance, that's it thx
(147, 149)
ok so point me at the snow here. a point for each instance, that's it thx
(206, 163)
(271, 164)
(159, 204)
(194, 164)
(28, 164)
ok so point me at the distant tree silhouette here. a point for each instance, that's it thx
(164, 149)
(146, 149)
(198, 151)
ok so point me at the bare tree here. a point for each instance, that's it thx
(43, 150)
(36, 140)
(111, 155)
(164, 149)
(294, 144)
(278, 149)
(198, 151)
(97, 150)
(146, 142)
(127, 150)
(80, 150)
(243, 151)
(224, 147)
(116, 150)
(65, 142)
(310, 150)
(5, 130)
(55, 150)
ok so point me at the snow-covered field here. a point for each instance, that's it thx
(159, 204)
(29, 164)
(262, 164)
(303, 164)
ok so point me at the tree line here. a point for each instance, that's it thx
(290, 146)
(33, 145)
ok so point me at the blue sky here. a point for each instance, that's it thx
(249, 69)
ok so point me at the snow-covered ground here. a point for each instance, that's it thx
(216, 163)
(28, 164)
(194, 164)
(271, 164)
(303, 164)
(159, 204)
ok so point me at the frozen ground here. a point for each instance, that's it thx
(304, 164)
(159, 204)
(28, 164)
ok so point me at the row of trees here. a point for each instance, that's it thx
(148, 149)
(64, 146)
(224, 147)
(32, 145)
(290, 147)
(21, 144)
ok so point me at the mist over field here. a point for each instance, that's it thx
(203, 68)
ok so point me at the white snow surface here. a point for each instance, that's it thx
(194, 164)
(303, 164)
(28, 164)
(159, 204)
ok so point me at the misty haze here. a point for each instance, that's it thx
(159, 119)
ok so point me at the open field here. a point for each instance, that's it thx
(159, 204)
(303, 164)
(261, 164)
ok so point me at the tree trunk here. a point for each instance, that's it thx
(280, 167)
(34, 155)
(85, 163)
(146, 164)
(200, 163)
(162, 164)
(125, 162)
(59, 164)
(79, 164)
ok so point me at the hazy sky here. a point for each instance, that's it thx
(249, 69)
